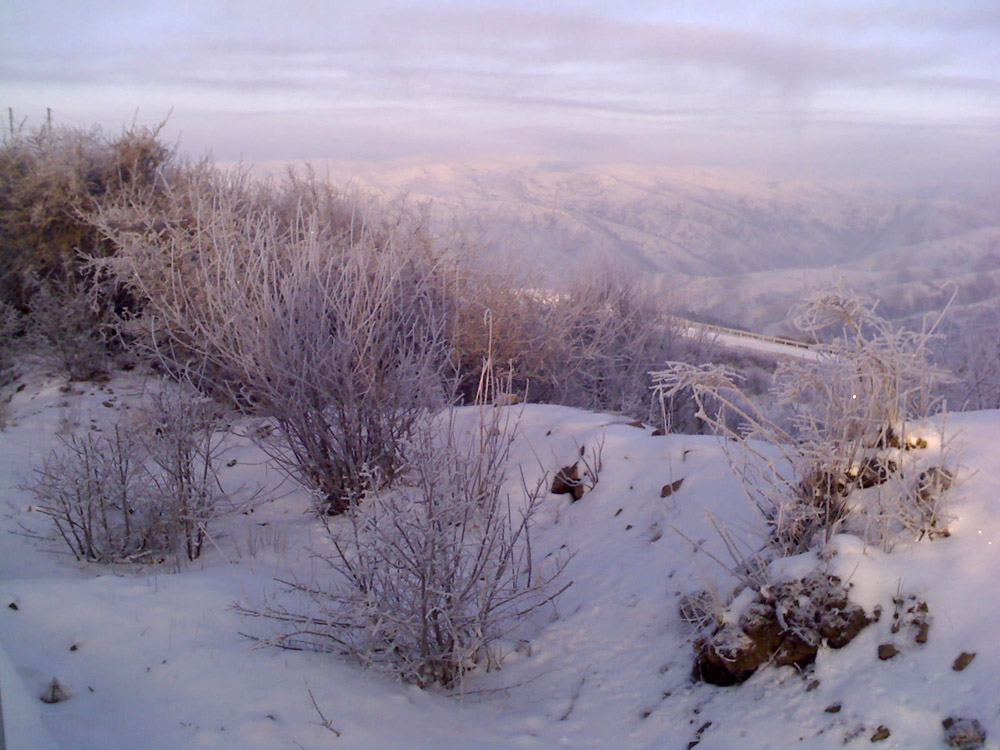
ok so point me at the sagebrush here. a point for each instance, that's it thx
(142, 490)
(423, 580)
(845, 460)
(52, 178)
(310, 308)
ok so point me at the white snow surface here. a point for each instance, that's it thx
(153, 656)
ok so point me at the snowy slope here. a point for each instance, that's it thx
(736, 246)
(153, 657)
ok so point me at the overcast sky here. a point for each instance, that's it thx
(879, 89)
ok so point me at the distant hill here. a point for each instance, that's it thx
(730, 245)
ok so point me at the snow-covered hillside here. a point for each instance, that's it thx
(153, 657)
(739, 247)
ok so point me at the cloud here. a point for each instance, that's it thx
(311, 38)
(587, 67)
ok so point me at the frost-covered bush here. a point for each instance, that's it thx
(606, 335)
(971, 351)
(590, 344)
(51, 179)
(71, 326)
(846, 459)
(313, 308)
(94, 492)
(140, 491)
(11, 329)
(422, 580)
(182, 453)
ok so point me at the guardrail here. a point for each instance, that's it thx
(747, 334)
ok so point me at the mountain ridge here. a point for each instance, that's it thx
(709, 235)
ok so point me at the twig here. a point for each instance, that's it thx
(323, 720)
(504, 688)
(574, 696)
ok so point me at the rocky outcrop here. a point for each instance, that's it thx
(567, 482)
(785, 624)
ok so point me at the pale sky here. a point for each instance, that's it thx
(878, 89)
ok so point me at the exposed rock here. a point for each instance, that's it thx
(916, 612)
(887, 651)
(727, 658)
(875, 471)
(882, 733)
(54, 692)
(963, 660)
(918, 617)
(841, 620)
(786, 647)
(833, 709)
(933, 482)
(966, 734)
(785, 625)
(697, 735)
(567, 482)
(889, 438)
(670, 489)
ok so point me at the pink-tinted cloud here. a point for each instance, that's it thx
(823, 83)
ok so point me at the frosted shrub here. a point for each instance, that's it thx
(313, 309)
(421, 581)
(51, 179)
(606, 335)
(589, 345)
(971, 350)
(138, 492)
(95, 494)
(71, 327)
(10, 330)
(845, 461)
(182, 454)
(497, 331)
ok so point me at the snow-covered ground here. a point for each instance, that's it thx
(154, 658)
